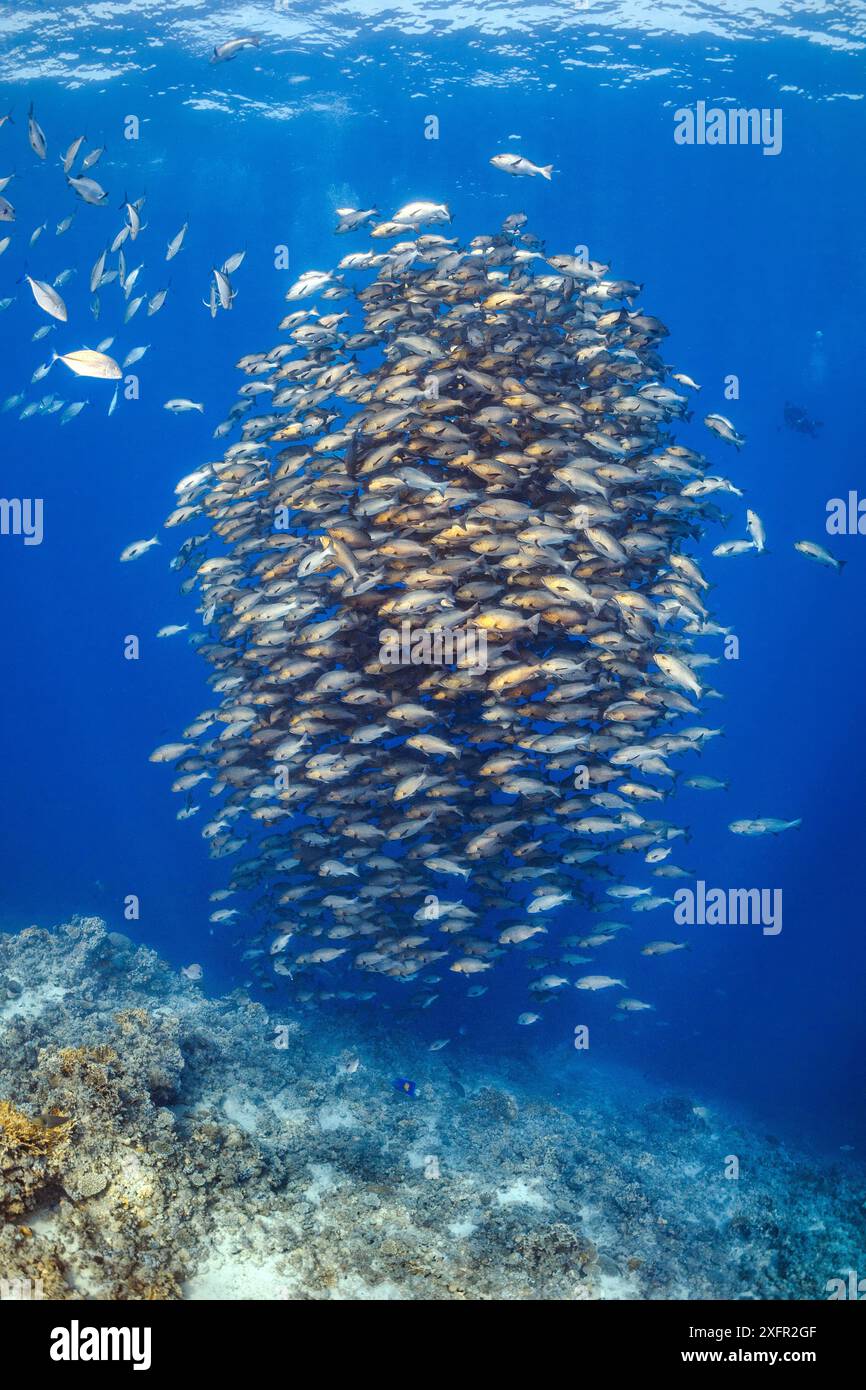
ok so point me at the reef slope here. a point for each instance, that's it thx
(156, 1143)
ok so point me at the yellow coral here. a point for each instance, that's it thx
(73, 1057)
(166, 1287)
(48, 1275)
(20, 1132)
(128, 1018)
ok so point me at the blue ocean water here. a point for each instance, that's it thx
(753, 262)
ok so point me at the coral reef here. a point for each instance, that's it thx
(156, 1143)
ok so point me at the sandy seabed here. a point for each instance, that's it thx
(156, 1143)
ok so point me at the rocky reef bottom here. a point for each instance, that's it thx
(159, 1144)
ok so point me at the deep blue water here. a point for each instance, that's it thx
(746, 258)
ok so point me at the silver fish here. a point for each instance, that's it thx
(36, 135)
(88, 190)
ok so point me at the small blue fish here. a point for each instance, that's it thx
(408, 1088)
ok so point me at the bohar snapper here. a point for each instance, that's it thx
(477, 441)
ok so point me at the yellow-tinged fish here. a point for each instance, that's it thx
(86, 362)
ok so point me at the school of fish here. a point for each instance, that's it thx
(452, 618)
(111, 268)
(470, 452)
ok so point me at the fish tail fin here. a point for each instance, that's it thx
(842, 564)
(533, 622)
(9, 117)
(545, 170)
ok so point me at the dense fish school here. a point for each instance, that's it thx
(450, 611)
(452, 621)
